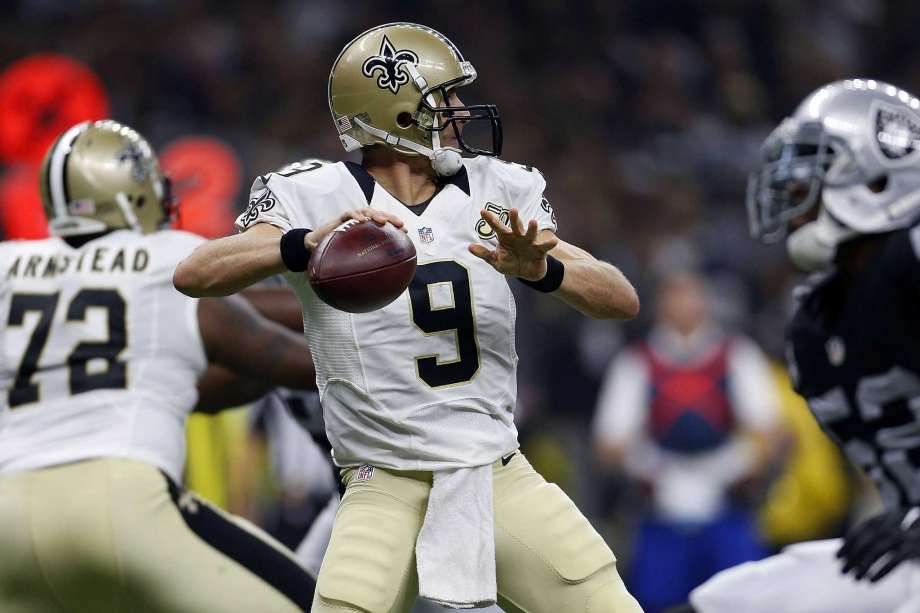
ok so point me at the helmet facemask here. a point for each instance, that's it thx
(794, 161)
(436, 117)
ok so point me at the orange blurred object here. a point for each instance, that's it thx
(41, 96)
(205, 174)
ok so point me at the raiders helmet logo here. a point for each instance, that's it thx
(898, 134)
(390, 64)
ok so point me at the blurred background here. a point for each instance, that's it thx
(645, 116)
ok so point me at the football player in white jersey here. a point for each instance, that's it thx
(99, 360)
(418, 397)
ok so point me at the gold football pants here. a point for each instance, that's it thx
(549, 559)
(117, 535)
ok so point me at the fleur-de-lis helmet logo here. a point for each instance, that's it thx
(140, 163)
(388, 65)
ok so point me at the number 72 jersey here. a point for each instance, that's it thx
(429, 381)
(99, 354)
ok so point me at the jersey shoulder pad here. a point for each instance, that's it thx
(290, 197)
(306, 176)
(176, 240)
(166, 248)
(523, 183)
(514, 175)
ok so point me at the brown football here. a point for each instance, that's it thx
(361, 266)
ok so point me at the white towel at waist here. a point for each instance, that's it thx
(455, 550)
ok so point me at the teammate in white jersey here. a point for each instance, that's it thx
(418, 397)
(99, 361)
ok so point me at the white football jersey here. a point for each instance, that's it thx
(429, 381)
(99, 354)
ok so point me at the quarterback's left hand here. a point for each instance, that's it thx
(519, 253)
(876, 546)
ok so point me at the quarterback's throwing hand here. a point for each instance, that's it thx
(520, 253)
(876, 546)
(315, 237)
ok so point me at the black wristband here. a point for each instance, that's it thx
(555, 271)
(294, 251)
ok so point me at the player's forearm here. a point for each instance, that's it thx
(257, 348)
(597, 289)
(290, 364)
(219, 388)
(278, 304)
(228, 265)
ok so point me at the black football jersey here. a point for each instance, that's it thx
(854, 354)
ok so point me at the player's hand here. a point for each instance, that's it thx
(315, 237)
(520, 252)
(878, 545)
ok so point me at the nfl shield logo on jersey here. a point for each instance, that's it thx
(426, 235)
(365, 473)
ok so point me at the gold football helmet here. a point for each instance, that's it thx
(389, 86)
(100, 176)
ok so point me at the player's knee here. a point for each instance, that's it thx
(359, 581)
(370, 559)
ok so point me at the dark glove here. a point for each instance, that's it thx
(876, 546)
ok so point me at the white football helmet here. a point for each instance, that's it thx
(854, 148)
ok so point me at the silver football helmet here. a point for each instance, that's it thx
(854, 148)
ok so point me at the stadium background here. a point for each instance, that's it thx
(645, 117)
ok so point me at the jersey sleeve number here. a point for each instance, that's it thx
(456, 318)
(114, 376)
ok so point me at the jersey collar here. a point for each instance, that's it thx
(366, 181)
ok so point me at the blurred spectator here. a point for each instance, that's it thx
(691, 413)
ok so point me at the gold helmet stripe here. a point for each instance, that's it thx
(57, 169)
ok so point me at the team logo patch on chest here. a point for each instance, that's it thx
(483, 229)
(836, 350)
(426, 234)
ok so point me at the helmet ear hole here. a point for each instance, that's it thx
(140, 202)
(404, 120)
(878, 185)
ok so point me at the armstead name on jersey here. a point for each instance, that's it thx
(99, 259)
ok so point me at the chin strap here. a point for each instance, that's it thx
(128, 212)
(446, 161)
